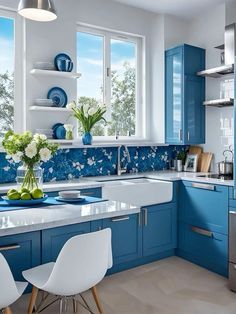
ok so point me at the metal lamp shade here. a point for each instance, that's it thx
(37, 10)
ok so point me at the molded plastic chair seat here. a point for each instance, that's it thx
(80, 266)
(10, 289)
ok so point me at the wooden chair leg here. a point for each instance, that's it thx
(33, 300)
(97, 300)
(7, 310)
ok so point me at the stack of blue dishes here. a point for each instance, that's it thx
(63, 63)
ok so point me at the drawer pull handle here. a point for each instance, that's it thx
(203, 232)
(140, 219)
(145, 216)
(203, 186)
(120, 219)
(87, 193)
(9, 247)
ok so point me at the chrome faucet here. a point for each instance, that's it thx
(119, 169)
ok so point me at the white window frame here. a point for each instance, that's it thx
(19, 110)
(140, 110)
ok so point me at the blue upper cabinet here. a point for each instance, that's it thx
(184, 95)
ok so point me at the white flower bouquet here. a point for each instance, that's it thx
(29, 149)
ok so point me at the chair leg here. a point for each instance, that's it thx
(7, 310)
(97, 300)
(74, 305)
(33, 298)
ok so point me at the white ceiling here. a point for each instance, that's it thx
(183, 8)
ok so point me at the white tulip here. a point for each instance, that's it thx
(71, 105)
(45, 154)
(68, 127)
(31, 150)
(86, 108)
(92, 111)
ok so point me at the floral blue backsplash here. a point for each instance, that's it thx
(73, 163)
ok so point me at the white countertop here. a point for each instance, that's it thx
(33, 219)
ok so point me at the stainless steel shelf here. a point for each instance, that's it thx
(226, 102)
(217, 72)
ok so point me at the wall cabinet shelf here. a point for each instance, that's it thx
(39, 72)
(184, 94)
(53, 109)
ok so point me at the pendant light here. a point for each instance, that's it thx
(37, 10)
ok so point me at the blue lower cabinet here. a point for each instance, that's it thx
(54, 239)
(159, 228)
(203, 247)
(126, 237)
(22, 251)
(204, 205)
(94, 192)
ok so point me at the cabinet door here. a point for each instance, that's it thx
(174, 96)
(126, 237)
(159, 228)
(194, 110)
(54, 239)
(22, 251)
(204, 205)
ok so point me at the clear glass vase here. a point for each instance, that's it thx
(30, 177)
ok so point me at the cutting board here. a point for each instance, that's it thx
(204, 162)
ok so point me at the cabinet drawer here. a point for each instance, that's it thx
(203, 247)
(22, 252)
(204, 205)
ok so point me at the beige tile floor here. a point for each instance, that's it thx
(169, 286)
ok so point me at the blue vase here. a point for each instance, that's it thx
(87, 138)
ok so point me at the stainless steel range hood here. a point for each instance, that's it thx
(229, 52)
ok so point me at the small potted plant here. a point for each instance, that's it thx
(181, 156)
(88, 116)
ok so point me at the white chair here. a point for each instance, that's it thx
(10, 289)
(80, 266)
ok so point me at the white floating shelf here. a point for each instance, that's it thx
(62, 74)
(54, 109)
(61, 142)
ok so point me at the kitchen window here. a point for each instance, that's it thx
(7, 71)
(111, 67)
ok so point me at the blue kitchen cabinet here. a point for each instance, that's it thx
(203, 225)
(203, 247)
(204, 205)
(184, 95)
(159, 228)
(234, 192)
(22, 251)
(54, 239)
(126, 236)
(94, 192)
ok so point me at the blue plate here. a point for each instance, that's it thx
(54, 128)
(60, 132)
(58, 96)
(70, 200)
(61, 56)
(25, 202)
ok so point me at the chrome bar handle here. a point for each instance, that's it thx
(145, 216)
(188, 135)
(122, 218)
(9, 247)
(201, 231)
(140, 219)
(203, 186)
(180, 135)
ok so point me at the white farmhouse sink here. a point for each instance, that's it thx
(139, 192)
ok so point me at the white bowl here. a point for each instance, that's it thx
(69, 194)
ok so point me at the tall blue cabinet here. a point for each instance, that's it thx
(184, 95)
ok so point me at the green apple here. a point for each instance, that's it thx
(25, 196)
(14, 196)
(37, 193)
(11, 191)
(24, 190)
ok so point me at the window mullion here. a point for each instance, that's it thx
(107, 74)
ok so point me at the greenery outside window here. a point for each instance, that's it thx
(111, 67)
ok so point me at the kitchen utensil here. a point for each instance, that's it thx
(205, 162)
(43, 102)
(69, 194)
(44, 66)
(70, 200)
(179, 165)
(58, 96)
(226, 167)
